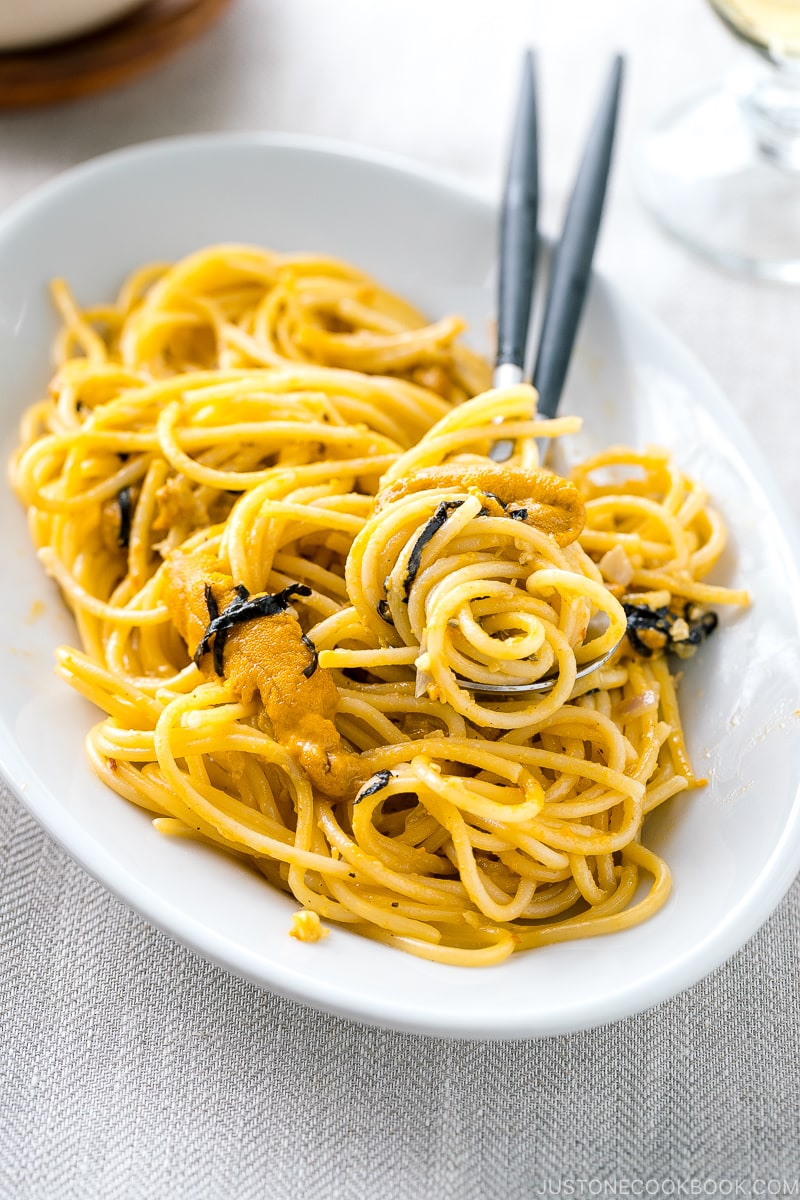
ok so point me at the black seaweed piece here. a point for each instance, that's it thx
(641, 617)
(211, 603)
(519, 514)
(376, 784)
(700, 628)
(312, 666)
(213, 614)
(242, 608)
(357, 675)
(433, 526)
(384, 612)
(125, 513)
(487, 512)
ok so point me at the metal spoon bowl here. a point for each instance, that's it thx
(540, 687)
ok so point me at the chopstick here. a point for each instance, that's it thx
(572, 262)
(572, 259)
(519, 236)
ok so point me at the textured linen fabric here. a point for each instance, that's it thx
(129, 1067)
(133, 1068)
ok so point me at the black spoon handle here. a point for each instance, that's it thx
(518, 228)
(572, 262)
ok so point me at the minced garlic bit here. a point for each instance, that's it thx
(307, 927)
(616, 566)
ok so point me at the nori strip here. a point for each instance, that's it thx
(376, 784)
(211, 603)
(699, 629)
(242, 608)
(312, 666)
(433, 526)
(213, 614)
(125, 514)
(384, 612)
(661, 620)
(641, 617)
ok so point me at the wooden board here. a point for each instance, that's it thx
(110, 56)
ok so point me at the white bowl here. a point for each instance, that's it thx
(27, 23)
(734, 847)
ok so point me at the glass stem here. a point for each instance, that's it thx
(769, 97)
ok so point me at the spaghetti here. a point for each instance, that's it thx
(263, 485)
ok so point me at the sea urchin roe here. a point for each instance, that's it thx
(264, 654)
(553, 504)
(244, 607)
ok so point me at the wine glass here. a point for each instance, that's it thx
(722, 170)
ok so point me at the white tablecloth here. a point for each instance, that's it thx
(131, 1068)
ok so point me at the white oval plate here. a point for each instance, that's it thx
(733, 847)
